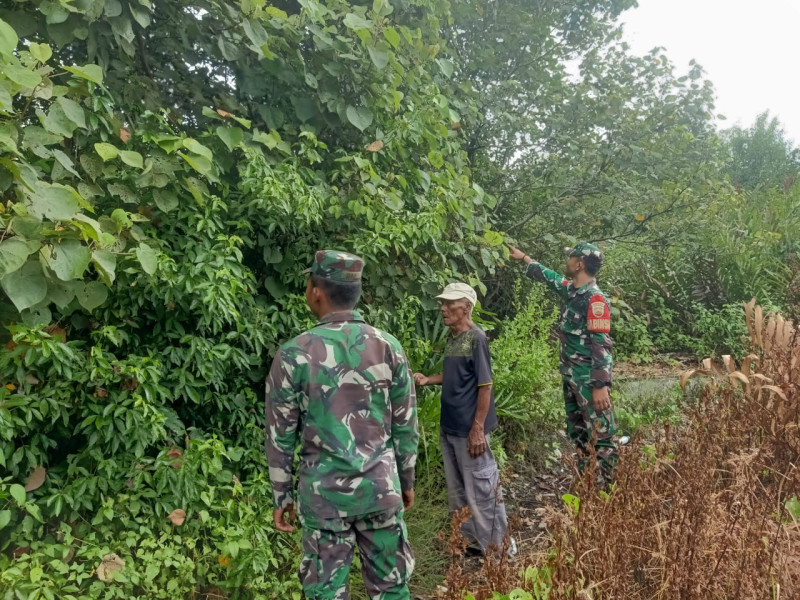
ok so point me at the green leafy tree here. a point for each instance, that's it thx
(761, 156)
(167, 171)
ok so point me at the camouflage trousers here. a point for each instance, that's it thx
(586, 425)
(386, 559)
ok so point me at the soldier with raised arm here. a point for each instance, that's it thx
(343, 392)
(585, 363)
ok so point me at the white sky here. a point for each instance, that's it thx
(748, 48)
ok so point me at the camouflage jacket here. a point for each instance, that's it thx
(584, 328)
(343, 390)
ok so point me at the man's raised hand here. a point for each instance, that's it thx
(421, 379)
(515, 253)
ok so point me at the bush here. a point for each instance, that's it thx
(719, 331)
(524, 361)
(701, 510)
(631, 335)
(161, 196)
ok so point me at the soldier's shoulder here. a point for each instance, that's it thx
(387, 337)
(596, 291)
(303, 340)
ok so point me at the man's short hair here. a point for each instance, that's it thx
(343, 296)
(592, 264)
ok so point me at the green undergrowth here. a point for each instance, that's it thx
(425, 521)
(646, 402)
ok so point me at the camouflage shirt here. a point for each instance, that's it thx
(584, 328)
(343, 390)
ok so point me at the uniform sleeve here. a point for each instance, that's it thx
(482, 361)
(283, 413)
(598, 322)
(405, 435)
(555, 281)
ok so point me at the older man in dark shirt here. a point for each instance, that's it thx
(468, 416)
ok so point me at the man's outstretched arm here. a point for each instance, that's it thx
(538, 272)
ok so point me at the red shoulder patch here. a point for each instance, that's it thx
(599, 317)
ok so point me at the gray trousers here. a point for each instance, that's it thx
(475, 483)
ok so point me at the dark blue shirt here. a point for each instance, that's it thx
(467, 366)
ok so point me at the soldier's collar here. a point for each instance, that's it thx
(585, 287)
(341, 316)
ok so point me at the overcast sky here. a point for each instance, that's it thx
(749, 49)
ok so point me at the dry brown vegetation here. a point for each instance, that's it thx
(699, 511)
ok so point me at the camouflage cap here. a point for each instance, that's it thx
(341, 267)
(585, 249)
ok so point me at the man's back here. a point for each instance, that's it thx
(351, 388)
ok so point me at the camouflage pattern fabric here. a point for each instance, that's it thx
(341, 267)
(585, 363)
(585, 249)
(587, 427)
(386, 559)
(344, 391)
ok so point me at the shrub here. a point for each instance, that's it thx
(524, 361)
(701, 510)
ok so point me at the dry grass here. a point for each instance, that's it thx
(699, 510)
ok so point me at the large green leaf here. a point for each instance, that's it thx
(13, 254)
(305, 107)
(61, 293)
(198, 148)
(92, 295)
(36, 136)
(25, 287)
(91, 72)
(53, 201)
(22, 76)
(37, 316)
(361, 117)
(68, 259)
(391, 35)
(230, 136)
(255, 32)
(89, 227)
(353, 21)
(436, 159)
(6, 101)
(41, 52)
(148, 258)
(56, 121)
(106, 264)
(379, 57)
(131, 158)
(8, 38)
(199, 163)
(165, 200)
(73, 111)
(18, 493)
(106, 151)
(65, 161)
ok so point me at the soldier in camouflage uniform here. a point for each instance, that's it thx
(343, 391)
(586, 361)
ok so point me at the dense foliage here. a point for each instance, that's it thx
(167, 170)
(161, 195)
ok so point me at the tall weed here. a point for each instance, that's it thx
(702, 509)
